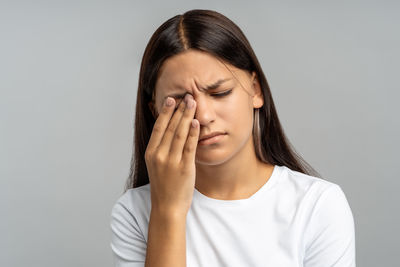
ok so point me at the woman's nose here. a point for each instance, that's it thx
(204, 110)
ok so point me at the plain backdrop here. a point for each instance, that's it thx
(68, 80)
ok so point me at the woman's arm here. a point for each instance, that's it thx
(166, 239)
(166, 242)
(170, 161)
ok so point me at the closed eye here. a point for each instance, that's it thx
(215, 95)
(218, 95)
(222, 94)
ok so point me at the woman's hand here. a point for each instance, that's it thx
(170, 157)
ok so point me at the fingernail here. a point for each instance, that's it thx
(194, 123)
(189, 101)
(190, 104)
(169, 102)
(188, 97)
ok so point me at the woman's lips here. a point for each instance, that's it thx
(212, 140)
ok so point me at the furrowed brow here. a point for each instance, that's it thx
(209, 87)
(216, 84)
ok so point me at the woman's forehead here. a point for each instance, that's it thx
(201, 82)
(184, 69)
(195, 82)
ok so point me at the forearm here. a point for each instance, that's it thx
(166, 245)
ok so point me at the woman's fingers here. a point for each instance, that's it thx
(181, 133)
(189, 150)
(165, 144)
(173, 132)
(161, 124)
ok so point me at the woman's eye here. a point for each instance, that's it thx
(222, 94)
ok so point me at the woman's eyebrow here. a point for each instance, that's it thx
(208, 87)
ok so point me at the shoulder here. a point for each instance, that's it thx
(133, 205)
(319, 194)
(304, 185)
(329, 232)
(311, 194)
(129, 226)
(134, 196)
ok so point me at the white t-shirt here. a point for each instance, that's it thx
(292, 220)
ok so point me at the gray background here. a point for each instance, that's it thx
(69, 73)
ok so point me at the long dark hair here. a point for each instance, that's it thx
(211, 32)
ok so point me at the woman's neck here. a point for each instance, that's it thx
(237, 178)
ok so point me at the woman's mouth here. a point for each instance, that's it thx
(214, 138)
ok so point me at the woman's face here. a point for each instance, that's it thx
(226, 108)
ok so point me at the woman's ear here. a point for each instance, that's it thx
(258, 98)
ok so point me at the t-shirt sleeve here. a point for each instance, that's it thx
(127, 241)
(330, 234)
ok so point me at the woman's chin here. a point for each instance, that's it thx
(211, 157)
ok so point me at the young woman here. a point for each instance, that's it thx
(214, 181)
